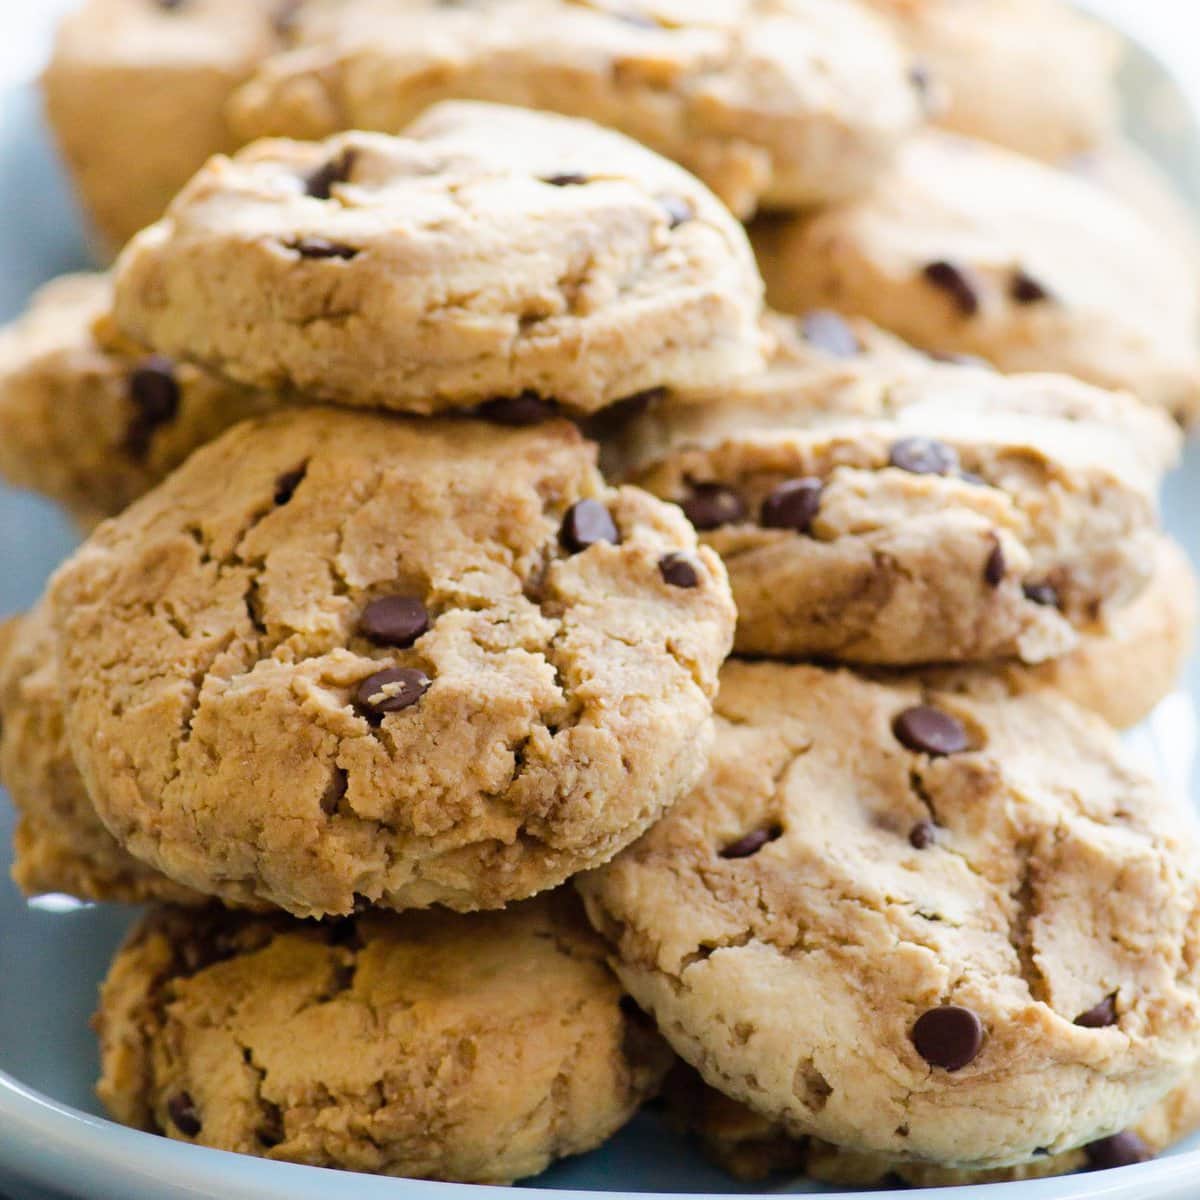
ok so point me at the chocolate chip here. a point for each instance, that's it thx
(996, 566)
(319, 247)
(679, 571)
(566, 179)
(154, 393)
(922, 835)
(1026, 290)
(793, 505)
(829, 332)
(337, 170)
(394, 620)
(1101, 1016)
(1120, 1150)
(949, 1037)
(923, 456)
(287, 483)
(587, 522)
(182, 1111)
(1042, 593)
(752, 843)
(710, 506)
(391, 690)
(956, 284)
(928, 730)
(526, 409)
(679, 211)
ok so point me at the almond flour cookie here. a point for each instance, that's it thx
(471, 1048)
(92, 420)
(964, 248)
(135, 93)
(492, 252)
(927, 925)
(780, 103)
(913, 513)
(341, 659)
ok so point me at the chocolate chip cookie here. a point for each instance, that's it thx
(471, 1048)
(928, 925)
(965, 248)
(343, 658)
(490, 253)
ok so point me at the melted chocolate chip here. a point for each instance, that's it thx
(679, 571)
(182, 1111)
(956, 283)
(710, 506)
(927, 730)
(394, 621)
(391, 690)
(154, 393)
(587, 523)
(526, 409)
(1120, 1150)
(923, 456)
(996, 566)
(287, 483)
(319, 247)
(949, 1037)
(793, 505)
(752, 843)
(1044, 594)
(922, 835)
(679, 211)
(1024, 289)
(1101, 1016)
(829, 332)
(566, 179)
(337, 170)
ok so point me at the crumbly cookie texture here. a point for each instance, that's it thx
(967, 248)
(987, 64)
(751, 1147)
(470, 1048)
(93, 420)
(779, 103)
(343, 658)
(135, 94)
(894, 512)
(491, 252)
(922, 924)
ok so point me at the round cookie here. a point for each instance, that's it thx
(900, 512)
(135, 94)
(342, 658)
(470, 1048)
(965, 248)
(491, 252)
(92, 420)
(777, 104)
(921, 924)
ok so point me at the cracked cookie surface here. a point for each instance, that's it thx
(491, 252)
(470, 1048)
(345, 658)
(921, 924)
(966, 248)
(883, 509)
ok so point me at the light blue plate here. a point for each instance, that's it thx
(52, 955)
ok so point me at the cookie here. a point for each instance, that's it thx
(342, 658)
(987, 66)
(781, 104)
(471, 1048)
(492, 252)
(750, 1147)
(135, 94)
(964, 248)
(895, 512)
(928, 925)
(92, 420)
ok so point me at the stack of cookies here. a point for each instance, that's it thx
(433, 477)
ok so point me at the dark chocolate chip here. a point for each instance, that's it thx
(526, 409)
(949, 1037)
(752, 843)
(679, 211)
(923, 456)
(182, 1111)
(566, 179)
(956, 283)
(337, 170)
(1042, 593)
(319, 247)
(391, 690)
(394, 620)
(1120, 1150)
(829, 332)
(587, 522)
(1101, 1016)
(996, 566)
(710, 506)
(154, 394)
(928, 730)
(922, 835)
(793, 505)
(287, 483)
(1026, 290)
(679, 571)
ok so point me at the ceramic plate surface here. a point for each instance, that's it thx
(54, 1143)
